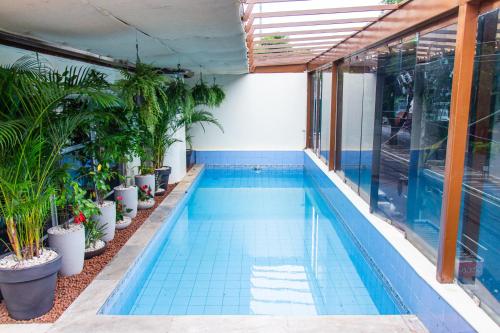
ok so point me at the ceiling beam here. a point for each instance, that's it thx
(313, 23)
(322, 11)
(284, 48)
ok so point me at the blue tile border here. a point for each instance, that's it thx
(420, 298)
(248, 158)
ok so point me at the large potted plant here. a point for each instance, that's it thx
(114, 141)
(39, 115)
(143, 92)
(68, 239)
(107, 211)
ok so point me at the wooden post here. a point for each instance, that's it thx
(333, 119)
(457, 138)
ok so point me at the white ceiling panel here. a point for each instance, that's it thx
(202, 34)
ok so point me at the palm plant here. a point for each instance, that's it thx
(168, 122)
(40, 110)
(194, 115)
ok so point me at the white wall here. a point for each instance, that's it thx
(261, 112)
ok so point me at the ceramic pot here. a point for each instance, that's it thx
(141, 180)
(29, 292)
(129, 195)
(161, 179)
(189, 155)
(70, 244)
(107, 219)
(97, 252)
(124, 224)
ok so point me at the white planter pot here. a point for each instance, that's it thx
(70, 244)
(149, 180)
(123, 224)
(146, 204)
(107, 219)
(129, 195)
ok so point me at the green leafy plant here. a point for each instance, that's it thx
(143, 92)
(93, 232)
(73, 203)
(202, 94)
(217, 95)
(101, 178)
(194, 115)
(41, 111)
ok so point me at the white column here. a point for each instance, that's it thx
(176, 157)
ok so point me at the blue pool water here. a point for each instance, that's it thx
(253, 242)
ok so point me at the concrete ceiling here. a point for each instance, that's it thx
(198, 34)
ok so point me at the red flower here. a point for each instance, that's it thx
(119, 198)
(80, 218)
(144, 187)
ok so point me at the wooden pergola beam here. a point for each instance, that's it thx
(248, 13)
(355, 9)
(269, 1)
(313, 23)
(463, 69)
(304, 45)
(300, 39)
(308, 32)
(408, 15)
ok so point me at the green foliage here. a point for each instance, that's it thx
(144, 96)
(93, 232)
(217, 95)
(41, 110)
(101, 177)
(391, 2)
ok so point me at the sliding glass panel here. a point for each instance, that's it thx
(429, 122)
(479, 239)
(316, 113)
(396, 70)
(352, 113)
(367, 122)
(326, 107)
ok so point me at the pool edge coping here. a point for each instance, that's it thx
(83, 314)
(452, 293)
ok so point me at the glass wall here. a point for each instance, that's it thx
(357, 90)
(326, 107)
(321, 111)
(479, 251)
(412, 112)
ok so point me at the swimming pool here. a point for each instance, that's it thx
(253, 242)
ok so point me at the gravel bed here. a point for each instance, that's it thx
(70, 287)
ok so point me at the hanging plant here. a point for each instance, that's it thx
(179, 95)
(201, 93)
(142, 90)
(217, 95)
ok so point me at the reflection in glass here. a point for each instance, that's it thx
(479, 250)
(414, 78)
